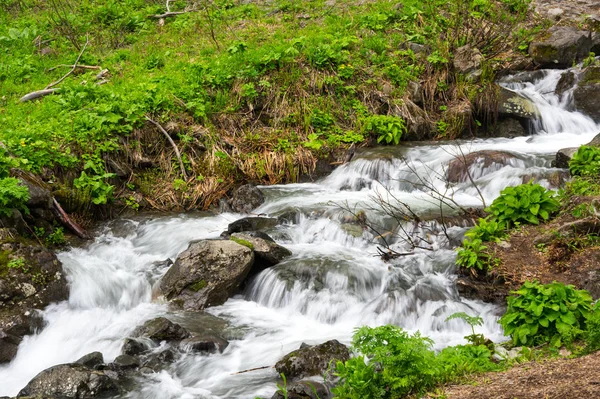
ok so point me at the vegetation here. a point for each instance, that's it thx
(585, 162)
(528, 203)
(246, 91)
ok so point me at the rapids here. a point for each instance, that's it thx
(333, 283)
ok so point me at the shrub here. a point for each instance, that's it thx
(553, 313)
(487, 229)
(472, 255)
(526, 203)
(585, 162)
(592, 331)
(13, 195)
(387, 128)
(461, 360)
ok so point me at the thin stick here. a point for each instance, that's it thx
(177, 153)
(37, 94)
(254, 369)
(75, 66)
(87, 40)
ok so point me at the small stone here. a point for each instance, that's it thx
(91, 360)
(555, 13)
(126, 362)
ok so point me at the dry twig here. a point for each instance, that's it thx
(177, 153)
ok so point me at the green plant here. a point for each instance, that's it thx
(13, 195)
(57, 237)
(359, 380)
(18, 264)
(553, 313)
(461, 360)
(475, 339)
(526, 203)
(585, 162)
(592, 331)
(488, 229)
(282, 388)
(387, 128)
(471, 255)
(589, 60)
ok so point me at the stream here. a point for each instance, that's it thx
(333, 283)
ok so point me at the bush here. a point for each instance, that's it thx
(487, 229)
(592, 331)
(471, 255)
(585, 162)
(526, 203)
(553, 313)
(13, 195)
(387, 128)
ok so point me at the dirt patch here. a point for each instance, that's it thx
(552, 379)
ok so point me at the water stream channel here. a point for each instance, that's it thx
(333, 283)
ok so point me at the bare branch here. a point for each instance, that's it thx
(75, 66)
(177, 153)
(37, 94)
(87, 40)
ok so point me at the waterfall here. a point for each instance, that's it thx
(333, 283)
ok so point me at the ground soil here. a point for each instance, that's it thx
(551, 379)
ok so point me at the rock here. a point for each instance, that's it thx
(566, 82)
(305, 390)
(133, 347)
(312, 360)
(459, 166)
(595, 142)
(154, 362)
(555, 13)
(355, 230)
(246, 198)
(415, 92)
(125, 362)
(511, 104)
(251, 224)
(91, 360)
(71, 381)
(596, 43)
(161, 329)
(208, 343)
(586, 95)
(563, 156)
(207, 273)
(38, 196)
(467, 59)
(509, 128)
(565, 46)
(266, 252)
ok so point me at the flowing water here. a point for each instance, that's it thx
(333, 283)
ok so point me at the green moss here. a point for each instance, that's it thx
(4, 262)
(242, 242)
(198, 285)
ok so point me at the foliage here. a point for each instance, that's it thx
(592, 331)
(57, 237)
(13, 195)
(388, 128)
(585, 162)
(488, 229)
(461, 360)
(553, 313)
(18, 264)
(474, 339)
(472, 255)
(527, 203)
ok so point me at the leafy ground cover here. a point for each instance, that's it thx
(247, 91)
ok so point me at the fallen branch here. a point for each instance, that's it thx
(169, 14)
(87, 40)
(177, 153)
(66, 220)
(75, 66)
(254, 369)
(37, 94)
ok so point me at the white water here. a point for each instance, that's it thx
(331, 285)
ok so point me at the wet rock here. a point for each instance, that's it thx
(266, 252)
(563, 156)
(458, 168)
(566, 82)
(38, 196)
(91, 360)
(133, 347)
(596, 43)
(125, 362)
(207, 273)
(161, 329)
(251, 224)
(207, 343)
(586, 96)
(354, 230)
(305, 390)
(313, 360)
(509, 128)
(246, 198)
(595, 142)
(154, 362)
(71, 381)
(511, 104)
(565, 46)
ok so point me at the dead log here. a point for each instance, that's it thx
(37, 94)
(68, 222)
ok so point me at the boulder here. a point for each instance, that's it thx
(207, 273)
(458, 168)
(511, 104)
(563, 156)
(91, 360)
(123, 362)
(311, 360)
(566, 82)
(208, 343)
(564, 47)
(71, 381)
(160, 329)
(246, 198)
(467, 60)
(251, 224)
(133, 347)
(266, 252)
(596, 43)
(509, 128)
(305, 390)
(586, 96)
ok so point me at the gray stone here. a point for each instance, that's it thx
(305, 389)
(207, 343)
(161, 329)
(586, 96)
(266, 252)
(467, 59)
(565, 46)
(126, 362)
(563, 156)
(458, 168)
(555, 13)
(207, 273)
(509, 128)
(566, 82)
(312, 360)
(133, 347)
(251, 224)
(512, 104)
(91, 360)
(246, 198)
(71, 381)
